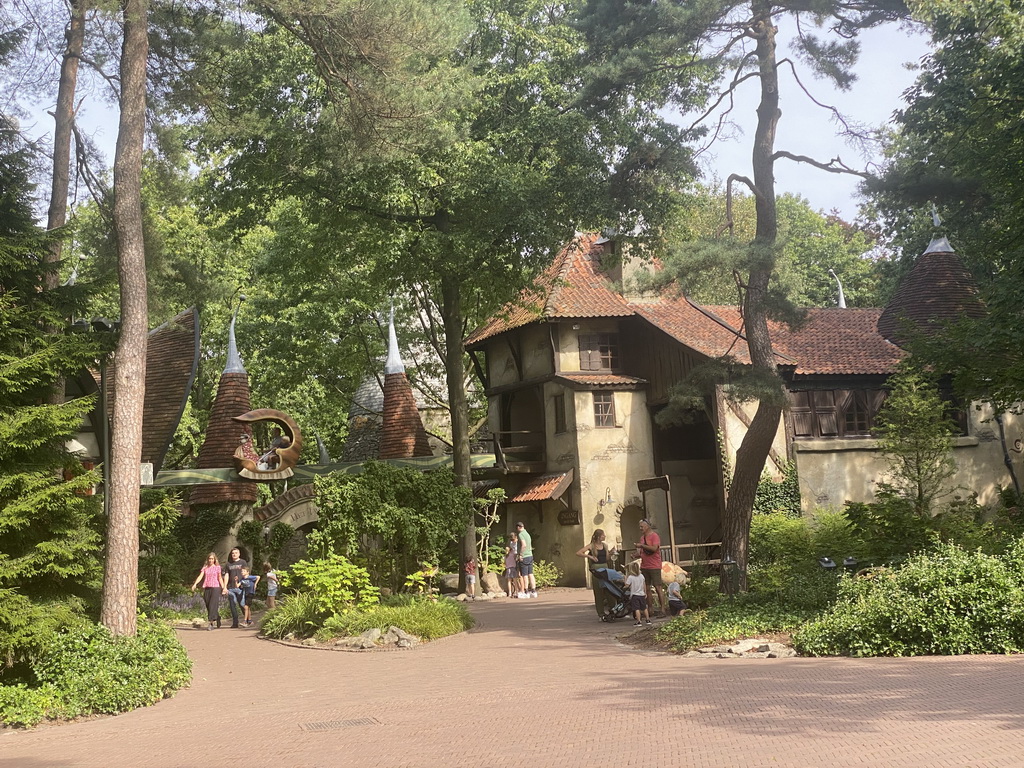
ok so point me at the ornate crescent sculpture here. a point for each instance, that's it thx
(283, 454)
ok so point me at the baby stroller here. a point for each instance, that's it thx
(616, 600)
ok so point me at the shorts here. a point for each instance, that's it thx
(247, 598)
(676, 606)
(471, 578)
(512, 573)
(637, 603)
(526, 566)
(271, 591)
(652, 576)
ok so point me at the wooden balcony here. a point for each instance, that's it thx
(520, 451)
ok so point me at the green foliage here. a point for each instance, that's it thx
(84, 670)
(390, 519)
(334, 584)
(49, 526)
(160, 552)
(700, 592)
(26, 628)
(427, 619)
(421, 581)
(727, 621)
(916, 438)
(280, 534)
(943, 602)
(295, 614)
(779, 496)
(546, 574)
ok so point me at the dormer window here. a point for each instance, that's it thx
(599, 351)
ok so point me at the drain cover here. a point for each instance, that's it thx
(332, 725)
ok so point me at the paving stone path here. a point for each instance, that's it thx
(543, 683)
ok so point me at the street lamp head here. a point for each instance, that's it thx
(103, 325)
(827, 563)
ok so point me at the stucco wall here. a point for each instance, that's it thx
(735, 429)
(568, 340)
(832, 472)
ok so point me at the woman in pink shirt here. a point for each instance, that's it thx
(215, 584)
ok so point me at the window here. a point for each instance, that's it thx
(604, 409)
(560, 413)
(599, 351)
(835, 412)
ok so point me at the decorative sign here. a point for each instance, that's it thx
(569, 517)
(276, 462)
(653, 483)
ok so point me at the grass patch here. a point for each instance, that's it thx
(729, 621)
(427, 619)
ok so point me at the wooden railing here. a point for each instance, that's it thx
(519, 450)
(688, 555)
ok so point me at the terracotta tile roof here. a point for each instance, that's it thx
(700, 328)
(549, 486)
(402, 435)
(938, 290)
(836, 341)
(573, 286)
(601, 380)
(222, 438)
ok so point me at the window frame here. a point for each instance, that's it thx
(561, 423)
(604, 415)
(599, 351)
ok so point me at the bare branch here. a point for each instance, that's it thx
(835, 165)
(848, 130)
(728, 201)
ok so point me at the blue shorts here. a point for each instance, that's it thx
(637, 603)
(271, 591)
(526, 566)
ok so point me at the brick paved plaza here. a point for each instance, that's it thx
(543, 683)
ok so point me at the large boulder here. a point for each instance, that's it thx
(448, 583)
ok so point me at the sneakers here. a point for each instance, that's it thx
(637, 624)
(533, 594)
(648, 622)
(522, 595)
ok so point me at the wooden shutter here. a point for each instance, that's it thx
(803, 417)
(824, 402)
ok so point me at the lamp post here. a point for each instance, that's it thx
(827, 563)
(732, 573)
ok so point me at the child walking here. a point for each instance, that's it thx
(470, 568)
(637, 593)
(271, 577)
(512, 565)
(248, 584)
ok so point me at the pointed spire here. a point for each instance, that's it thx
(939, 243)
(842, 297)
(394, 362)
(234, 361)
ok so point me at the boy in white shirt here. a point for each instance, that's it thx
(637, 594)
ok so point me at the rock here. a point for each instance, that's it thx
(389, 637)
(496, 595)
(484, 596)
(721, 649)
(290, 636)
(448, 583)
(748, 645)
(726, 656)
(407, 642)
(692, 655)
(309, 641)
(755, 655)
(385, 592)
(197, 623)
(462, 597)
(489, 583)
(372, 634)
(785, 653)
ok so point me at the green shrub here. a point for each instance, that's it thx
(295, 614)
(85, 670)
(427, 619)
(27, 628)
(781, 497)
(728, 620)
(547, 574)
(700, 592)
(944, 602)
(334, 584)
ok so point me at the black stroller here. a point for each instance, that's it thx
(616, 604)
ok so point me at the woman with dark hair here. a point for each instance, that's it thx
(598, 555)
(214, 585)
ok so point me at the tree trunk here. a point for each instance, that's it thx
(120, 583)
(63, 119)
(757, 442)
(455, 373)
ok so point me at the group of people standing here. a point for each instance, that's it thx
(643, 575)
(519, 577)
(235, 580)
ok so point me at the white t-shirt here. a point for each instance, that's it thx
(673, 591)
(637, 585)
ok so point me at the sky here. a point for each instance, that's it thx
(806, 129)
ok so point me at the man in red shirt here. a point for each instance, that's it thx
(649, 550)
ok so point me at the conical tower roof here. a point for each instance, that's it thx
(938, 291)
(402, 435)
(223, 434)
